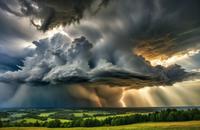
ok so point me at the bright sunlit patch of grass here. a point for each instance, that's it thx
(46, 114)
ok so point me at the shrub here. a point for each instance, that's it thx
(54, 123)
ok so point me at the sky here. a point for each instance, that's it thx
(102, 53)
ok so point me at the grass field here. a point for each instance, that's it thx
(64, 115)
(119, 115)
(46, 114)
(189, 125)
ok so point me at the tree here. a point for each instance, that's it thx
(54, 124)
(76, 123)
(107, 121)
(1, 124)
(37, 124)
(171, 116)
(90, 123)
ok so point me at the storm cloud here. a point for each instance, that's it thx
(52, 13)
(60, 60)
(151, 29)
(60, 66)
(103, 58)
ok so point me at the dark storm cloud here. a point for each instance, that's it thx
(150, 28)
(153, 29)
(59, 68)
(8, 5)
(13, 37)
(159, 76)
(10, 29)
(9, 63)
(53, 13)
(175, 30)
(11, 54)
(58, 61)
(14, 40)
(168, 46)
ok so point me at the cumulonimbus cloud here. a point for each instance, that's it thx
(121, 38)
(60, 60)
(66, 68)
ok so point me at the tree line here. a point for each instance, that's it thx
(159, 116)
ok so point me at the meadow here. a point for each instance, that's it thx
(189, 125)
(101, 119)
(64, 115)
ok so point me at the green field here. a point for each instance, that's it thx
(189, 125)
(113, 118)
(46, 114)
(64, 115)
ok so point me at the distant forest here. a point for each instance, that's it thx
(158, 116)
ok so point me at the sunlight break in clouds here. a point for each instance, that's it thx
(174, 59)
